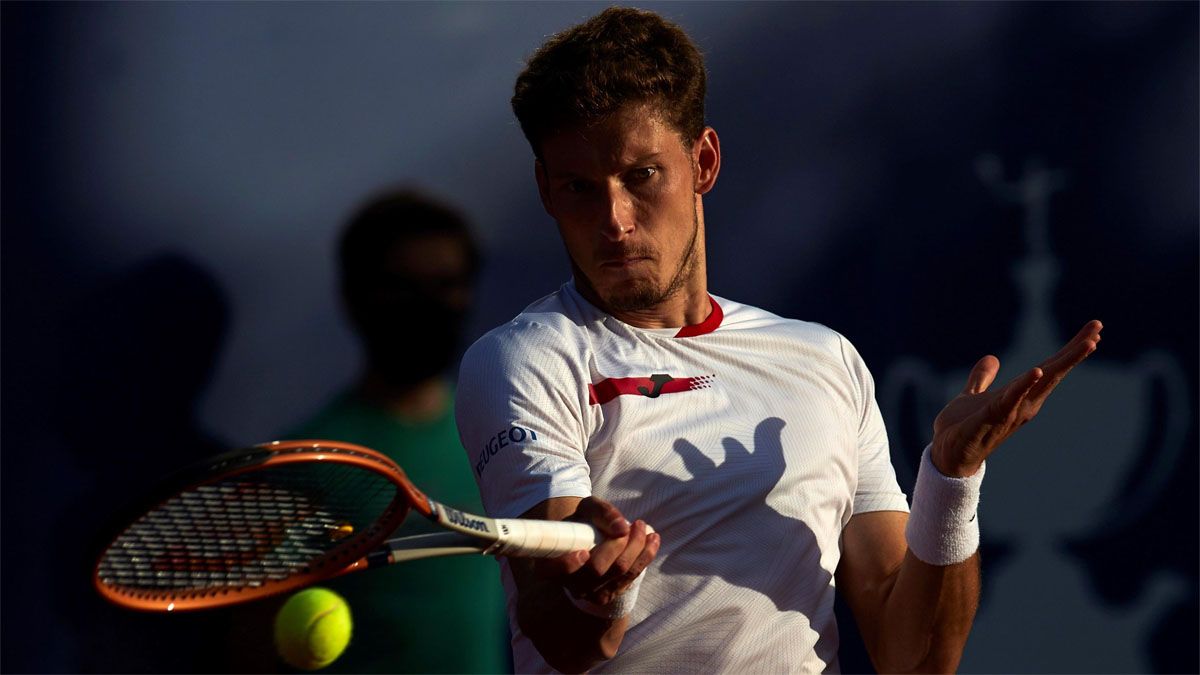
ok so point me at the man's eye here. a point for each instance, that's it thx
(644, 173)
(576, 186)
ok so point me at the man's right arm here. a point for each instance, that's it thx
(569, 638)
(502, 387)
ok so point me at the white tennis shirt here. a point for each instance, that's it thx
(747, 441)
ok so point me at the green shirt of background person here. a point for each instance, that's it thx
(407, 269)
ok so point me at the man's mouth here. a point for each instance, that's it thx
(623, 259)
(618, 263)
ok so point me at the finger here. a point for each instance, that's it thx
(601, 559)
(982, 375)
(1014, 393)
(649, 552)
(1079, 349)
(619, 583)
(1089, 331)
(591, 575)
(633, 548)
(1087, 336)
(1092, 327)
(603, 516)
(1071, 358)
(611, 559)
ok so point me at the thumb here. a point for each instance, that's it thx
(982, 375)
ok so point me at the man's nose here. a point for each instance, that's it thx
(618, 217)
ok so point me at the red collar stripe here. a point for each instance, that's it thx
(706, 326)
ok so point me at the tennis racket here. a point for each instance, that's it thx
(280, 516)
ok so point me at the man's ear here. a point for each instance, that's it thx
(706, 156)
(543, 183)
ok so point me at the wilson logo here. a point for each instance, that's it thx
(649, 387)
(461, 519)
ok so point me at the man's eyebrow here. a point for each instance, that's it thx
(638, 160)
(648, 157)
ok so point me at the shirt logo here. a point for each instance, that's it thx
(650, 387)
(506, 437)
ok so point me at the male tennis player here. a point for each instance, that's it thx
(751, 443)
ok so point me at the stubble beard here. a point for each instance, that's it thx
(646, 295)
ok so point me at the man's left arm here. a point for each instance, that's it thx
(915, 614)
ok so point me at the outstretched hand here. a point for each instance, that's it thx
(977, 421)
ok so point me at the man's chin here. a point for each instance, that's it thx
(632, 297)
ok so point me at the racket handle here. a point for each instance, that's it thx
(544, 538)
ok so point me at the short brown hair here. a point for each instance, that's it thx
(622, 55)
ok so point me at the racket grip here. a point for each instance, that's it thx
(544, 538)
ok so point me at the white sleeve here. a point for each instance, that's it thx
(877, 488)
(519, 408)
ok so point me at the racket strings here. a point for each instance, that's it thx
(247, 530)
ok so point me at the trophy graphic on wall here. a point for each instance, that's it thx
(1094, 460)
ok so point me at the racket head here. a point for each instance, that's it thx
(256, 522)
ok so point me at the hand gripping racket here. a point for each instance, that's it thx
(276, 517)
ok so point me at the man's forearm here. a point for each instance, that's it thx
(574, 635)
(927, 616)
(914, 580)
(928, 609)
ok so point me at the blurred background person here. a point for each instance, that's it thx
(407, 267)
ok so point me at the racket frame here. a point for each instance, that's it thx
(348, 556)
(468, 533)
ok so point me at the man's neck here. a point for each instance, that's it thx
(687, 307)
(419, 402)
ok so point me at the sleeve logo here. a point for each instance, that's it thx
(506, 437)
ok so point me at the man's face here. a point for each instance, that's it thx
(624, 193)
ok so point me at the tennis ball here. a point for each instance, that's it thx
(312, 628)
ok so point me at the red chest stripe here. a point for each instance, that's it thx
(650, 387)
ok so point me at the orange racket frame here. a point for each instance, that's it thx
(347, 557)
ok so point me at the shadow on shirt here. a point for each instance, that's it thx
(778, 555)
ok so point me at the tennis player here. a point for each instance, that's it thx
(751, 443)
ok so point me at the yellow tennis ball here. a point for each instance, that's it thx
(312, 628)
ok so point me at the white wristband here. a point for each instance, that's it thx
(943, 527)
(616, 609)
